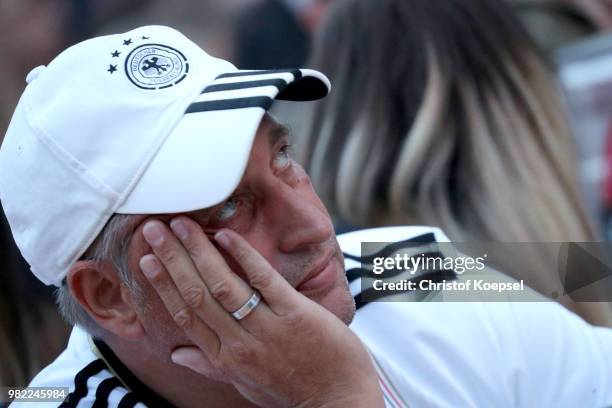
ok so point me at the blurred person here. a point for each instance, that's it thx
(276, 33)
(207, 22)
(599, 11)
(553, 24)
(557, 23)
(606, 184)
(36, 30)
(33, 31)
(200, 267)
(445, 114)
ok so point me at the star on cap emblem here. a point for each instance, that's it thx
(111, 68)
(127, 42)
(145, 37)
(115, 54)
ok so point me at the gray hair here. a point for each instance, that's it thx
(110, 245)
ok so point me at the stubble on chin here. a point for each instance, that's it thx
(339, 300)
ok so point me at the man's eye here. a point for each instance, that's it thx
(228, 210)
(283, 157)
(235, 213)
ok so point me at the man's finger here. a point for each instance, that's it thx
(183, 316)
(278, 293)
(190, 286)
(224, 285)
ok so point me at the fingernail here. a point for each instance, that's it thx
(185, 356)
(153, 233)
(222, 238)
(178, 358)
(179, 228)
(149, 265)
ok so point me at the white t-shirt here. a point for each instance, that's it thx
(478, 354)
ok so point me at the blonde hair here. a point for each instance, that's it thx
(443, 113)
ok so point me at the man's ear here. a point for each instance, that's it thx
(99, 290)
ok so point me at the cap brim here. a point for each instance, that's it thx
(203, 159)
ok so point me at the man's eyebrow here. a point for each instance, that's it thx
(277, 132)
(201, 216)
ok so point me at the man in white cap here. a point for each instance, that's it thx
(144, 179)
(120, 130)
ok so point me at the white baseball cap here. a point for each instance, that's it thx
(144, 122)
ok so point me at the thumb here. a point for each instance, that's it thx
(194, 359)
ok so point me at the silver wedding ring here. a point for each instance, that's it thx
(248, 307)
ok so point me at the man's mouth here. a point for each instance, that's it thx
(321, 277)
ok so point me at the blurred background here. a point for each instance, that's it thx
(573, 34)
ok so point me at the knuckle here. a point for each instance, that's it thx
(295, 321)
(183, 318)
(242, 353)
(241, 254)
(194, 296)
(260, 279)
(167, 254)
(220, 290)
(191, 244)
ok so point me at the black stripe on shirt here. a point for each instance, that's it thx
(424, 239)
(144, 394)
(238, 103)
(103, 391)
(277, 82)
(129, 400)
(80, 383)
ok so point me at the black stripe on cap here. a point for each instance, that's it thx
(80, 383)
(104, 390)
(296, 73)
(225, 104)
(277, 82)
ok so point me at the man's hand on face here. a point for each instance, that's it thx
(288, 352)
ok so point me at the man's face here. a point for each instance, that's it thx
(277, 211)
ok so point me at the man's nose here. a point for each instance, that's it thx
(302, 220)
